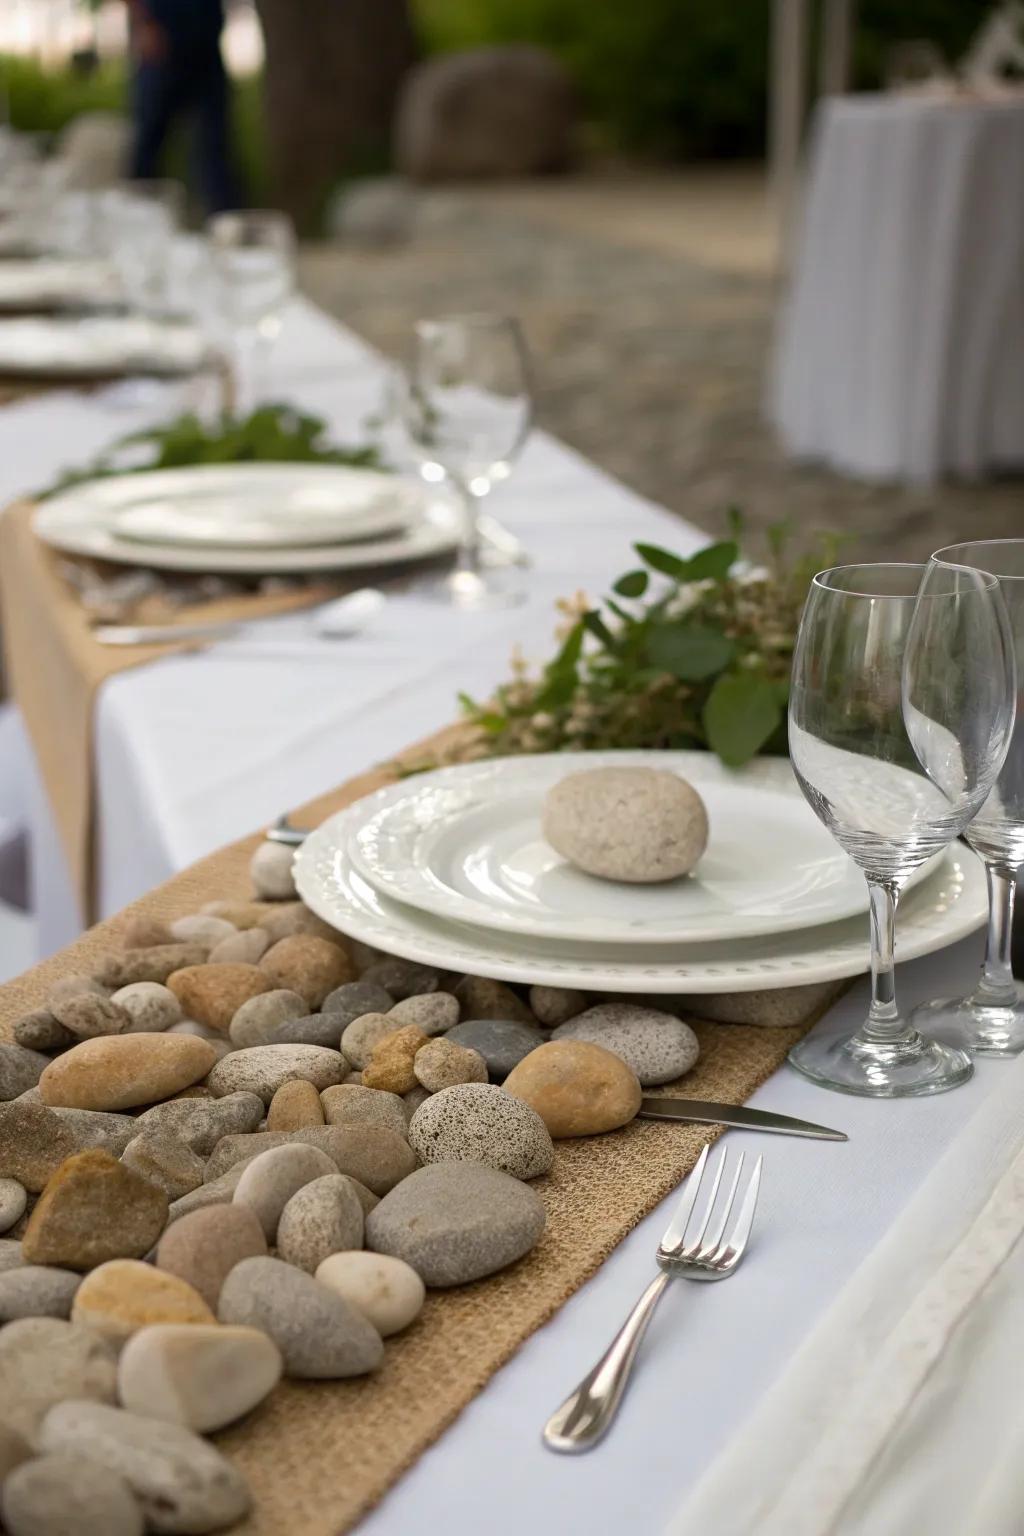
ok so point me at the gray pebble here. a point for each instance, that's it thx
(556, 1005)
(271, 872)
(151, 1006)
(323, 1217)
(219, 1191)
(98, 1128)
(88, 1016)
(354, 998)
(483, 998)
(202, 928)
(456, 1222)
(433, 1012)
(10, 1254)
(270, 1181)
(314, 1029)
(351, 1104)
(264, 1068)
(200, 1123)
(501, 1042)
(246, 948)
(40, 1031)
(479, 1123)
(153, 963)
(376, 1157)
(37, 1290)
(413, 1099)
(320, 1335)
(258, 1021)
(182, 1484)
(402, 978)
(13, 1200)
(19, 1069)
(74, 986)
(166, 1161)
(363, 1034)
(61, 1494)
(43, 1361)
(658, 1046)
(14, 1449)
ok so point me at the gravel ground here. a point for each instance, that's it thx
(651, 365)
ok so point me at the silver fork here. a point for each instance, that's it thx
(711, 1254)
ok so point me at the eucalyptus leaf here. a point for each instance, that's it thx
(741, 713)
(664, 561)
(633, 584)
(713, 563)
(688, 651)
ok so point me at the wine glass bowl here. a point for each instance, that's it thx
(253, 254)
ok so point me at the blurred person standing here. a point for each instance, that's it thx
(178, 72)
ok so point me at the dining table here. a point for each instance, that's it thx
(192, 751)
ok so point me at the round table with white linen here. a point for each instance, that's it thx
(900, 353)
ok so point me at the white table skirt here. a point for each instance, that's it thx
(900, 352)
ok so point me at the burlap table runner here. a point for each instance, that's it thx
(319, 1455)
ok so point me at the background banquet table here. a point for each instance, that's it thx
(194, 750)
(900, 352)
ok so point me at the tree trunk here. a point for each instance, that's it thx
(333, 69)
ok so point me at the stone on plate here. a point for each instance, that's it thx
(20, 1069)
(150, 1006)
(270, 871)
(165, 1161)
(501, 1042)
(295, 1105)
(444, 1063)
(122, 1071)
(258, 1020)
(61, 1494)
(308, 965)
(37, 1290)
(200, 1123)
(432, 1012)
(44, 1360)
(639, 825)
(656, 1045)
(272, 1178)
(578, 1089)
(213, 994)
(391, 1061)
(323, 1217)
(94, 1209)
(377, 1157)
(319, 1335)
(480, 1123)
(350, 1104)
(263, 1068)
(119, 1298)
(204, 1246)
(388, 1292)
(200, 1376)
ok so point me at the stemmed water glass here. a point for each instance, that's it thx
(467, 410)
(254, 260)
(991, 1019)
(901, 711)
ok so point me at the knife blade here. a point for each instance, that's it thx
(662, 1107)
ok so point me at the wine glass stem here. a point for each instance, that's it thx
(468, 556)
(883, 1023)
(997, 987)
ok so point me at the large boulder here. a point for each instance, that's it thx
(486, 112)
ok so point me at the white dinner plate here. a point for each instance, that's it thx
(83, 520)
(53, 282)
(949, 904)
(466, 843)
(97, 346)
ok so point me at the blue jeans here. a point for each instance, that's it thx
(188, 83)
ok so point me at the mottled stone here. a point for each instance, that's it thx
(323, 1217)
(444, 1063)
(309, 965)
(259, 1020)
(37, 1290)
(33, 1144)
(401, 978)
(87, 1015)
(482, 998)
(456, 1222)
(264, 1068)
(288, 918)
(155, 964)
(270, 871)
(150, 1005)
(218, 1191)
(96, 1128)
(165, 1161)
(319, 1335)
(431, 1012)
(578, 1089)
(391, 1061)
(13, 1200)
(313, 1029)
(296, 1104)
(94, 1209)
(20, 1069)
(198, 1376)
(146, 933)
(202, 928)
(241, 948)
(354, 998)
(44, 1360)
(121, 1071)
(501, 1042)
(556, 1005)
(377, 1157)
(119, 1298)
(272, 1178)
(40, 1031)
(204, 1246)
(67, 1495)
(200, 1123)
(363, 1034)
(183, 1486)
(657, 1046)
(480, 1123)
(213, 994)
(388, 1292)
(350, 1105)
(74, 986)
(639, 825)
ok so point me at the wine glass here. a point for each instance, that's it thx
(991, 1019)
(254, 258)
(901, 711)
(141, 219)
(467, 410)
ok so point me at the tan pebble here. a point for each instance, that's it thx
(556, 1005)
(33, 1143)
(482, 998)
(433, 1012)
(271, 871)
(94, 1209)
(391, 1064)
(201, 1377)
(144, 932)
(14, 1449)
(295, 1104)
(292, 917)
(443, 1063)
(213, 994)
(202, 928)
(44, 1360)
(308, 965)
(150, 1005)
(240, 914)
(88, 1016)
(120, 1297)
(165, 1161)
(74, 986)
(361, 1036)
(122, 1071)
(578, 1089)
(154, 964)
(353, 1104)
(241, 948)
(204, 1246)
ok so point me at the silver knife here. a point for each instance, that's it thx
(661, 1107)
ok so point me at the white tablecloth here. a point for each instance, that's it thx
(900, 352)
(194, 751)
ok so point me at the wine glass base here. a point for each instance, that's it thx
(475, 591)
(906, 1068)
(984, 1029)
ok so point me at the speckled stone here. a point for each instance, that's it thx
(657, 1046)
(61, 1494)
(319, 1335)
(93, 1209)
(37, 1290)
(391, 1061)
(388, 1292)
(640, 825)
(313, 1029)
(552, 1006)
(44, 1360)
(155, 964)
(204, 1246)
(482, 998)
(377, 1157)
(198, 1376)
(20, 1069)
(119, 1298)
(213, 994)
(363, 1034)
(272, 1178)
(146, 933)
(270, 871)
(264, 1068)
(165, 1161)
(444, 1063)
(351, 1105)
(181, 1483)
(296, 1104)
(35, 1140)
(323, 1217)
(578, 1089)
(431, 1012)
(401, 978)
(150, 1005)
(456, 1222)
(13, 1200)
(258, 1021)
(40, 1031)
(354, 998)
(88, 1016)
(200, 1123)
(246, 948)
(283, 919)
(121, 1071)
(501, 1042)
(308, 965)
(480, 1123)
(202, 928)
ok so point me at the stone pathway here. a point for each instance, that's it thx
(648, 362)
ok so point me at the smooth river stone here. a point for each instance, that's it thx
(13, 1200)
(40, 1031)
(312, 1029)
(10, 1254)
(213, 994)
(354, 998)
(121, 1071)
(242, 915)
(319, 1335)
(272, 1178)
(241, 948)
(556, 1005)
(198, 1376)
(657, 1046)
(200, 1123)
(183, 1486)
(361, 1037)
(92, 1210)
(501, 1042)
(119, 1298)
(20, 1069)
(284, 919)
(43, 1361)
(61, 1494)
(431, 1012)
(640, 825)
(270, 871)
(258, 1020)
(480, 1123)
(150, 1005)
(37, 1290)
(143, 932)
(391, 1063)
(88, 1016)
(202, 928)
(321, 1218)
(295, 1105)
(482, 998)
(388, 1292)
(264, 1068)
(444, 1063)
(353, 1104)
(165, 1161)
(154, 964)
(456, 1222)
(309, 965)
(204, 1246)
(578, 1089)
(219, 1191)
(401, 978)
(377, 1157)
